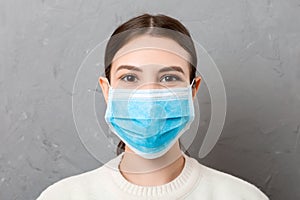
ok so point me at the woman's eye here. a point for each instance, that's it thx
(169, 78)
(129, 78)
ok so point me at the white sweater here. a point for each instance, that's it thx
(195, 181)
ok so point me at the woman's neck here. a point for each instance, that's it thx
(152, 172)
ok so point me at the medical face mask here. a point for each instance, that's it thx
(150, 121)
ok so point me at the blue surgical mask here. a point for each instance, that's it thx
(150, 121)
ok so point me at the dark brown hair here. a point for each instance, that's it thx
(144, 24)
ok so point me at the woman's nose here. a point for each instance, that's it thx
(151, 86)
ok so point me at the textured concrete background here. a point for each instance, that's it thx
(255, 44)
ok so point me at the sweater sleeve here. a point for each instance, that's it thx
(256, 192)
(228, 187)
(247, 190)
(58, 190)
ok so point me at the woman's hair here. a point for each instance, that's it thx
(144, 24)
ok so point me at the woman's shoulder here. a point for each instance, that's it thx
(222, 184)
(78, 184)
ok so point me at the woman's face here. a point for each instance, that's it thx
(149, 63)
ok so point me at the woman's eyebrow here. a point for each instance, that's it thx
(171, 68)
(165, 69)
(129, 67)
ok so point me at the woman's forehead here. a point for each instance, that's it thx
(150, 58)
(146, 45)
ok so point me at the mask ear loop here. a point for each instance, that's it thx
(108, 84)
(193, 84)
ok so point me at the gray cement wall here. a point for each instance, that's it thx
(255, 44)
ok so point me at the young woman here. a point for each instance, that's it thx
(149, 89)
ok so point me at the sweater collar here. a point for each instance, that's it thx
(182, 183)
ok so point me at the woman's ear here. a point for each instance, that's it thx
(196, 85)
(103, 82)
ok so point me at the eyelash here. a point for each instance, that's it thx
(172, 75)
(124, 76)
(164, 76)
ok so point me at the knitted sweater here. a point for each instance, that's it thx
(195, 181)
